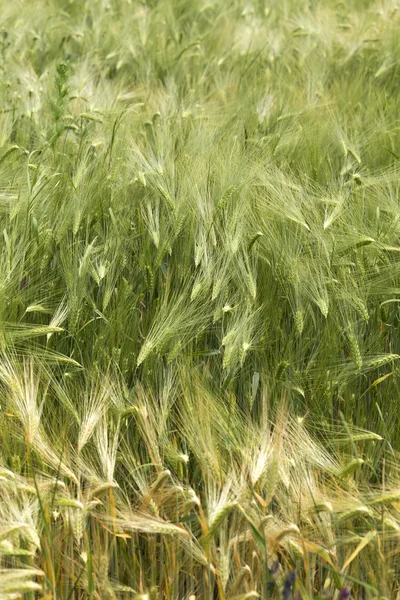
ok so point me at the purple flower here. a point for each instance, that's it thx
(272, 570)
(270, 586)
(288, 586)
(344, 593)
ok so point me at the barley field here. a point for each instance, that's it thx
(199, 299)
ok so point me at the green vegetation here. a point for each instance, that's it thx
(199, 299)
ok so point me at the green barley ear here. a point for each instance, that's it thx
(251, 285)
(198, 253)
(323, 306)
(228, 357)
(78, 524)
(197, 288)
(145, 350)
(149, 277)
(217, 286)
(282, 366)
(253, 239)
(383, 499)
(243, 574)
(380, 361)
(223, 202)
(59, 100)
(350, 468)
(272, 479)
(243, 352)
(299, 321)
(161, 479)
(16, 464)
(219, 516)
(361, 308)
(169, 201)
(175, 350)
(354, 349)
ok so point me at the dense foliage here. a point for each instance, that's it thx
(199, 299)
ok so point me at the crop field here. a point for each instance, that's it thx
(199, 299)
